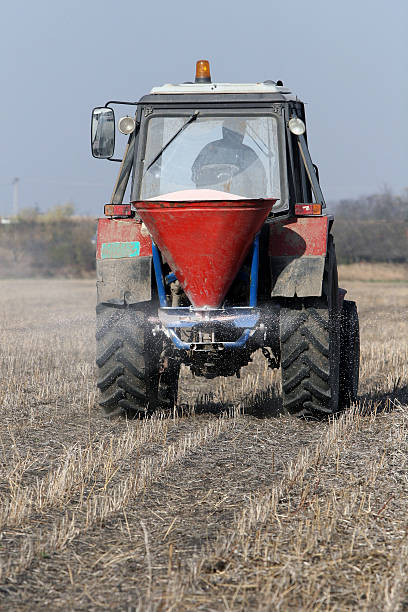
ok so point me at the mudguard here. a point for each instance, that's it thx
(297, 251)
(123, 262)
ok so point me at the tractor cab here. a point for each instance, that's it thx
(208, 141)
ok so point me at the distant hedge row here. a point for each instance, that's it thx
(372, 241)
(372, 229)
(67, 246)
(48, 247)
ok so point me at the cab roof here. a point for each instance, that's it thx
(218, 93)
(208, 88)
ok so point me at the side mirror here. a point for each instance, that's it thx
(103, 132)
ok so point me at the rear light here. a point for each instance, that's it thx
(308, 209)
(118, 210)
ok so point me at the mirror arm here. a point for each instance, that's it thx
(116, 159)
(124, 172)
(126, 103)
(310, 171)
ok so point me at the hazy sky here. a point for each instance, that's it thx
(348, 60)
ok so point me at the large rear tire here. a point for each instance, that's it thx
(310, 349)
(133, 379)
(349, 354)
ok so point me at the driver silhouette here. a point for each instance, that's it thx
(231, 163)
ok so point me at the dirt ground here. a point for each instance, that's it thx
(224, 505)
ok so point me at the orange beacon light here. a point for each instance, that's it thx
(203, 72)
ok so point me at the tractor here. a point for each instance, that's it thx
(223, 249)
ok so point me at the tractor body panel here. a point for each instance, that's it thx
(123, 262)
(204, 261)
(125, 232)
(297, 251)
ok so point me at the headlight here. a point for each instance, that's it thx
(297, 126)
(126, 125)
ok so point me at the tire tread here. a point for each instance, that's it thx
(128, 359)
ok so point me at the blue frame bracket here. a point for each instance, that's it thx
(159, 276)
(253, 286)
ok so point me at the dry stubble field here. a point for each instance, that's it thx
(222, 506)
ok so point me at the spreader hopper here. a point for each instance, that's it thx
(204, 242)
